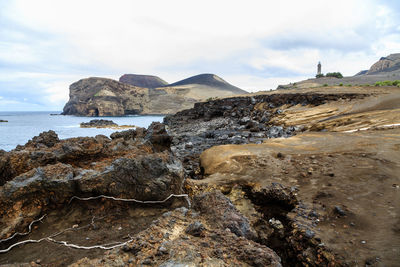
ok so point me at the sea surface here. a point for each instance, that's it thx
(22, 126)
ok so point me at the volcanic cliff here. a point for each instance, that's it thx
(107, 97)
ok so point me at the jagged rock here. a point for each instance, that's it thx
(158, 136)
(49, 139)
(98, 124)
(126, 135)
(195, 229)
(225, 214)
(148, 177)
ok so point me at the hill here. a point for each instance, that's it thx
(148, 81)
(209, 80)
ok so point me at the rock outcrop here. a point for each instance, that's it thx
(146, 81)
(386, 64)
(98, 124)
(106, 97)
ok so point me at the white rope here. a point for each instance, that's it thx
(103, 246)
(22, 242)
(29, 230)
(134, 200)
(65, 243)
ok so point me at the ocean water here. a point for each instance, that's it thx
(22, 126)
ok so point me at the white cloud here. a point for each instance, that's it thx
(93, 37)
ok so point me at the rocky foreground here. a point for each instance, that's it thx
(290, 178)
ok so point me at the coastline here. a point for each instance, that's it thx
(269, 179)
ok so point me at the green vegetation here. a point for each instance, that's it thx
(348, 85)
(340, 84)
(319, 76)
(388, 83)
(334, 74)
(325, 85)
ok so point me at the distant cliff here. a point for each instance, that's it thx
(106, 97)
(386, 64)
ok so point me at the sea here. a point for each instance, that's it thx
(23, 125)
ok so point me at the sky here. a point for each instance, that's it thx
(46, 45)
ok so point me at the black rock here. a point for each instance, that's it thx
(195, 229)
(98, 124)
(339, 211)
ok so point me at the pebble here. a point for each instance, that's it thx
(339, 211)
(146, 261)
(280, 155)
(163, 250)
(195, 229)
(275, 223)
(309, 234)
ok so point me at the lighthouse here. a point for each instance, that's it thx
(319, 68)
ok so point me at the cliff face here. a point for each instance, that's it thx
(106, 97)
(386, 64)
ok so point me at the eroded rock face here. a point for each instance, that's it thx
(47, 172)
(386, 64)
(183, 237)
(105, 97)
(223, 213)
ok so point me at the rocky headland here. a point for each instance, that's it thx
(305, 177)
(3, 121)
(143, 94)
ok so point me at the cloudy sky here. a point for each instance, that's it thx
(45, 45)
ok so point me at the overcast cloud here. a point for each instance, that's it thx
(45, 45)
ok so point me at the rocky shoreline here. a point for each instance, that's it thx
(263, 180)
